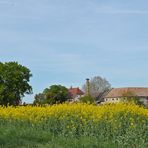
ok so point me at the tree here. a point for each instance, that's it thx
(14, 84)
(98, 86)
(39, 98)
(52, 95)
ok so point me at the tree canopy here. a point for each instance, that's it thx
(14, 84)
(52, 95)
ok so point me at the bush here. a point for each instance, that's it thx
(87, 99)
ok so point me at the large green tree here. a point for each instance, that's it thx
(52, 95)
(14, 83)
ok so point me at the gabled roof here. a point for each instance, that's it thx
(75, 91)
(137, 91)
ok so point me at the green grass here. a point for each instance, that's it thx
(26, 136)
(20, 137)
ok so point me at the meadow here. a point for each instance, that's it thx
(74, 125)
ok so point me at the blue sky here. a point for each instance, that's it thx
(66, 41)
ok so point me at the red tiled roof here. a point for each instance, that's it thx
(75, 91)
(137, 91)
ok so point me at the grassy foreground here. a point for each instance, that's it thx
(21, 137)
(75, 126)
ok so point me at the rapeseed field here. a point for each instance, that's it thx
(121, 124)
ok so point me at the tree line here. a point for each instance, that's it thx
(14, 84)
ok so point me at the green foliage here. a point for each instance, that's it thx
(14, 84)
(39, 99)
(54, 94)
(87, 99)
(26, 136)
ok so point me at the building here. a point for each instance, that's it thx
(116, 94)
(75, 94)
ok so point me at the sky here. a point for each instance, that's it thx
(66, 41)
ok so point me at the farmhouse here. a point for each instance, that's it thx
(116, 94)
(75, 94)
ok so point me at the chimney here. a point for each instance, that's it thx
(87, 87)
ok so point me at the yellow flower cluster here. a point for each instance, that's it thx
(85, 112)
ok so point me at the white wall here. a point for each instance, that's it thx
(114, 100)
